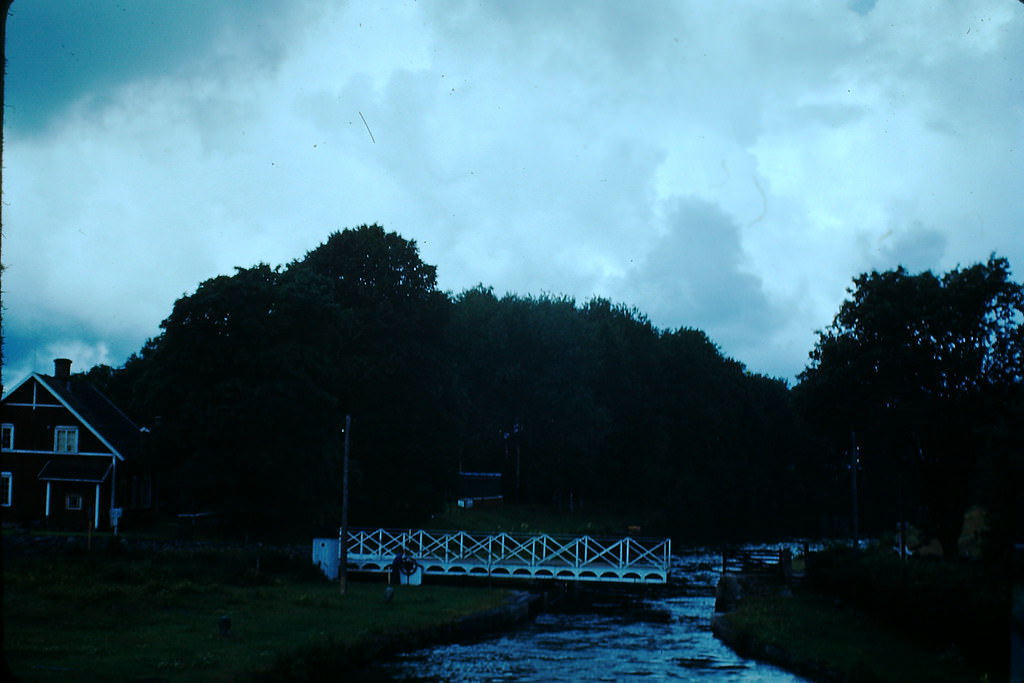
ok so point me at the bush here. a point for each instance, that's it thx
(946, 603)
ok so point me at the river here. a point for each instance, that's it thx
(669, 638)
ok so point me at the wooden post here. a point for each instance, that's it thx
(343, 561)
(903, 517)
(853, 488)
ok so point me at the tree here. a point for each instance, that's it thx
(389, 368)
(247, 421)
(526, 361)
(253, 373)
(919, 367)
(366, 265)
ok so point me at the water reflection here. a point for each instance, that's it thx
(670, 640)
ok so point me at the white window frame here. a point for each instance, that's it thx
(6, 489)
(74, 501)
(7, 441)
(70, 444)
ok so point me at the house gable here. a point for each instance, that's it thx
(68, 454)
(39, 406)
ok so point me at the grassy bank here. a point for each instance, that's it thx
(101, 616)
(810, 635)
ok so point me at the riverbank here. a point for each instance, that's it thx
(207, 614)
(812, 636)
(326, 660)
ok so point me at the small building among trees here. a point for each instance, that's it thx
(70, 458)
(479, 489)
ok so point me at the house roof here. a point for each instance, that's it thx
(88, 470)
(95, 411)
(103, 417)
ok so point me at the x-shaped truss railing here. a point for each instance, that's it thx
(512, 550)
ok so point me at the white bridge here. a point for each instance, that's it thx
(513, 556)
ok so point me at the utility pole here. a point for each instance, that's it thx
(899, 506)
(343, 560)
(519, 486)
(853, 487)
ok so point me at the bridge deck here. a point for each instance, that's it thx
(515, 556)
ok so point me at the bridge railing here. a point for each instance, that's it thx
(764, 561)
(512, 550)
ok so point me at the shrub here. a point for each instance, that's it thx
(947, 603)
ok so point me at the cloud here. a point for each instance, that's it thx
(83, 52)
(915, 247)
(695, 275)
(861, 7)
(726, 170)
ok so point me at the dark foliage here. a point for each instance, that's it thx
(926, 372)
(963, 605)
(581, 407)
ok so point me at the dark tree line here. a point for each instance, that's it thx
(582, 407)
(924, 374)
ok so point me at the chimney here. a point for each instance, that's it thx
(62, 368)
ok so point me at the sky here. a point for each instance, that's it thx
(726, 166)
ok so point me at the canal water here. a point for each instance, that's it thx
(663, 639)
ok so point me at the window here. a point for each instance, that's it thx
(7, 442)
(65, 439)
(6, 489)
(142, 492)
(73, 502)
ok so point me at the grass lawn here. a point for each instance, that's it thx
(812, 629)
(101, 617)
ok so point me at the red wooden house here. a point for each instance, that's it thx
(70, 457)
